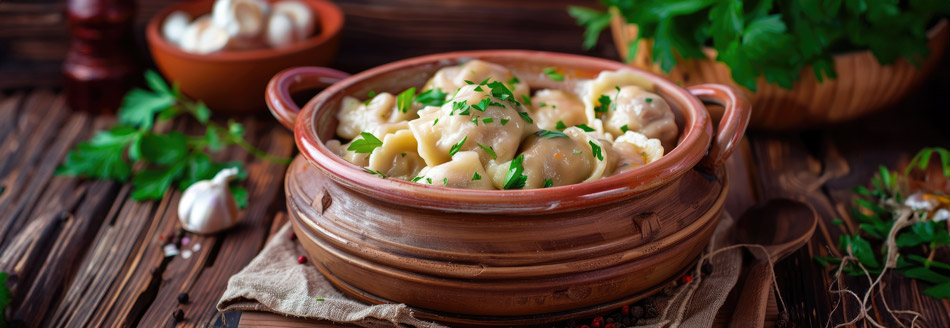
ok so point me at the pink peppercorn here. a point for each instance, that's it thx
(302, 259)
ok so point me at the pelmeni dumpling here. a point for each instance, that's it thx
(643, 112)
(358, 159)
(465, 170)
(548, 107)
(356, 117)
(550, 159)
(635, 150)
(397, 157)
(607, 83)
(475, 116)
(450, 79)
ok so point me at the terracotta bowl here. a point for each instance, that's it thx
(233, 81)
(504, 257)
(863, 85)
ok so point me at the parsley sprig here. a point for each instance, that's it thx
(768, 38)
(169, 158)
(516, 178)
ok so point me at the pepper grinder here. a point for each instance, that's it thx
(99, 66)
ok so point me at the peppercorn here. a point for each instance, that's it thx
(302, 259)
(609, 320)
(617, 316)
(585, 326)
(687, 279)
(636, 312)
(707, 269)
(627, 321)
(293, 236)
(609, 325)
(178, 315)
(667, 291)
(183, 298)
(625, 310)
(597, 323)
(781, 323)
(652, 313)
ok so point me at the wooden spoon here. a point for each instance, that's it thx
(782, 226)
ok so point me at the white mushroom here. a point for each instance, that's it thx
(203, 37)
(175, 25)
(300, 14)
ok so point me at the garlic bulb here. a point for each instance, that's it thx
(175, 25)
(280, 31)
(203, 37)
(207, 206)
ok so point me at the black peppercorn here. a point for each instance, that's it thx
(627, 322)
(707, 269)
(178, 315)
(617, 317)
(609, 320)
(652, 313)
(636, 312)
(183, 298)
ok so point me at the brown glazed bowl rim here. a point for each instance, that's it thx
(325, 11)
(695, 138)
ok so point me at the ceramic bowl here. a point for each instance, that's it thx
(503, 257)
(863, 85)
(233, 81)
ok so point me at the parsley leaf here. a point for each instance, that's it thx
(594, 20)
(457, 146)
(596, 150)
(553, 74)
(513, 80)
(365, 145)
(139, 107)
(550, 134)
(515, 178)
(603, 104)
(488, 150)
(560, 125)
(462, 106)
(500, 91)
(585, 127)
(488, 120)
(526, 100)
(548, 183)
(482, 105)
(101, 157)
(476, 177)
(624, 128)
(404, 99)
(526, 117)
(504, 121)
(431, 97)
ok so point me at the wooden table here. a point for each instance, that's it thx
(80, 253)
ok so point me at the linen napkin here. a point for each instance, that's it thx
(275, 282)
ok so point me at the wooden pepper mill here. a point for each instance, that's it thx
(99, 67)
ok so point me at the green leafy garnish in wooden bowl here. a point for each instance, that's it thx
(170, 158)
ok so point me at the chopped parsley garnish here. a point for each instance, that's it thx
(560, 125)
(488, 150)
(526, 100)
(371, 94)
(577, 152)
(548, 183)
(461, 106)
(504, 121)
(500, 91)
(550, 134)
(474, 120)
(429, 180)
(403, 154)
(542, 105)
(434, 122)
(618, 88)
(404, 99)
(513, 80)
(649, 100)
(381, 174)
(553, 74)
(476, 177)
(484, 82)
(604, 104)
(488, 120)
(482, 105)
(526, 117)
(516, 178)
(445, 181)
(479, 89)
(585, 127)
(365, 145)
(431, 97)
(497, 104)
(596, 149)
(469, 82)
(416, 179)
(624, 128)
(457, 146)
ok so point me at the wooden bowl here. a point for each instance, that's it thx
(233, 81)
(862, 87)
(504, 257)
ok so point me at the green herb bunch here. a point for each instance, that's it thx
(169, 158)
(917, 238)
(775, 39)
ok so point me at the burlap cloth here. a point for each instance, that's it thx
(275, 282)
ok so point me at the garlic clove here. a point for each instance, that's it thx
(207, 206)
(241, 19)
(175, 25)
(203, 37)
(280, 31)
(301, 15)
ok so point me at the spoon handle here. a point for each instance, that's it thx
(754, 297)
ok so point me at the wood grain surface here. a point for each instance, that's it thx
(81, 254)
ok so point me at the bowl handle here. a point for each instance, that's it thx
(734, 120)
(288, 81)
